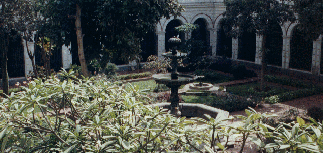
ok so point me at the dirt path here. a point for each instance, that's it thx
(302, 104)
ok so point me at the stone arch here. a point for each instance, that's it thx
(274, 42)
(301, 50)
(206, 17)
(171, 32)
(287, 31)
(217, 21)
(247, 45)
(163, 25)
(15, 55)
(224, 42)
(200, 39)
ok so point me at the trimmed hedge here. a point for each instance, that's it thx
(287, 96)
(288, 82)
(134, 76)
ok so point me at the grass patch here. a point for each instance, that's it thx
(149, 85)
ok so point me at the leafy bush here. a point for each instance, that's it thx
(95, 115)
(288, 82)
(94, 65)
(82, 116)
(111, 69)
(221, 64)
(298, 94)
(160, 65)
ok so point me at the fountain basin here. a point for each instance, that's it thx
(177, 55)
(201, 86)
(196, 110)
(166, 79)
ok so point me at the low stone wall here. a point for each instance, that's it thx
(196, 110)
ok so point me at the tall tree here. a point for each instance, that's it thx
(9, 10)
(110, 27)
(256, 16)
(310, 17)
(29, 22)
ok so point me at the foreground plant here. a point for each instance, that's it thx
(75, 115)
(95, 115)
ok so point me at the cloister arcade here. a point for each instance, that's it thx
(288, 49)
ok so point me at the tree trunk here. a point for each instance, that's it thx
(80, 41)
(263, 64)
(5, 76)
(48, 59)
(32, 57)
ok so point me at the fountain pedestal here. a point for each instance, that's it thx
(174, 80)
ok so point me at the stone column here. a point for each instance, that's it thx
(28, 65)
(213, 38)
(316, 57)
(161, 43)
(258, 57)
(286, 52)
(235, 48)
(66, 56)
(188, 35)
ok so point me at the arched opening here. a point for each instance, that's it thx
(171, 32)
(200, 39)
(16, 65)
(224, 42)
(247, 45)
(274, 44)
(148, 45)
(301, 51)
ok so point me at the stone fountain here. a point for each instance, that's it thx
(174, 80)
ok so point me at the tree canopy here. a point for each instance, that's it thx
(310, 17)
(111, 27)
(255, 15)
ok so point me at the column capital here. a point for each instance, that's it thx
(161, 32)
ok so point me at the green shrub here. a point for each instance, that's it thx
(111, 69)
(221, 64)
(95, 115)
(297, 94)
(288, 82)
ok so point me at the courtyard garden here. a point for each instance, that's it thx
(66, 113)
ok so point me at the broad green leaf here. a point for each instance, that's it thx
(208, 149)
(220, 146)
(69, 149)
(284, 146)
(3, 133)
(300, 121)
